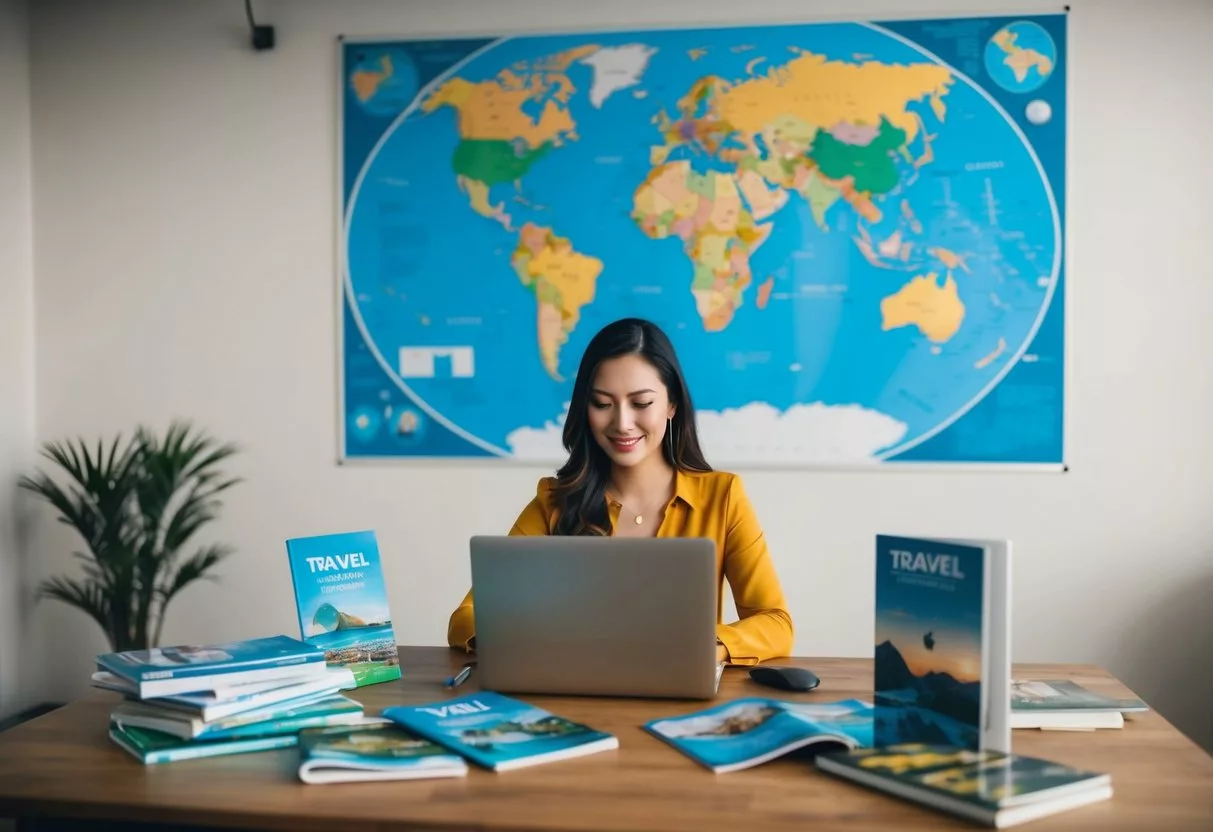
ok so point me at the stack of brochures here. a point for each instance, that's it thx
(1062, 705)
(188, 701)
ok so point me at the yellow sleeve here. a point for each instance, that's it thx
(533, 521)
(764, 630)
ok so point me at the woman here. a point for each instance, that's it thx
(635, 469)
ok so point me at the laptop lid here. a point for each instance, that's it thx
(603, 616)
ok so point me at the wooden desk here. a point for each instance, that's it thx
(63, 765)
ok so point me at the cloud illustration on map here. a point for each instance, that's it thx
(757, 433)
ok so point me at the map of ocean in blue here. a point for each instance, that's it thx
(425, 270)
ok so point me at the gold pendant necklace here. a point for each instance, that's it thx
(639, 519)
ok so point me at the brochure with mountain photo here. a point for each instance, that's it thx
(748, 732)
(342, 603)
(499, 732)
(942, 653)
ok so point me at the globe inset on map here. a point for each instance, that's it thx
(850, 243)
(383, 82)
(1020, 57)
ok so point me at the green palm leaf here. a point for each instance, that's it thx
(136, 504)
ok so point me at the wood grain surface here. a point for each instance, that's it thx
(63, 764)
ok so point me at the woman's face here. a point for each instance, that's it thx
(629, 406)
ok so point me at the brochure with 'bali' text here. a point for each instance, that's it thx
(499, 732)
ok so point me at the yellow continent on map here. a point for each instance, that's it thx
(936, 310)
(493, 109)
(563, 281)
(823, 93)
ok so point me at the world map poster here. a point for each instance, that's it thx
(851, 231)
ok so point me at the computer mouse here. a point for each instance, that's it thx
(785, 678)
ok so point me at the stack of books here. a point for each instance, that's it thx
(1064, 705)
(189, 701)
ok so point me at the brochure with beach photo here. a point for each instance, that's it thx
(342, 603)
(499, 732)
(747, 732)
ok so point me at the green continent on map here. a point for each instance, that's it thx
(563, 281)
(493, 161)
(500, 139)
(869, 165)
(718, 233)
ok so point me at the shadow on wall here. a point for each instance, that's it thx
(1165, 658)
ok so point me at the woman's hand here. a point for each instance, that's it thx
(722, 653)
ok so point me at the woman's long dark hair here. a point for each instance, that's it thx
(580, 492)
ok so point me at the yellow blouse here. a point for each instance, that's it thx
(712, 505)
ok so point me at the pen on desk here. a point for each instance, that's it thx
(460, 677)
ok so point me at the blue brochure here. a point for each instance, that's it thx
(942, 663)
(747, 732)
(342, 603)
(499, 732)
(185, 668)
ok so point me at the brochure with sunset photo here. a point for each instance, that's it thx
(942, 653)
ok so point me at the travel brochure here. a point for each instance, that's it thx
(342, 603)
(750, 731)
(942, 632)
(499, 732)
(1065, 705)
(987, 787)
(379, 750)
(188, 668)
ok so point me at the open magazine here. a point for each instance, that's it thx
(747, 732)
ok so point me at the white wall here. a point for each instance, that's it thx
(185, 214)
(16, 336)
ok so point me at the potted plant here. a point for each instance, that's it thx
(137, 505)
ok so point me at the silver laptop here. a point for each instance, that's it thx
(599, 616)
